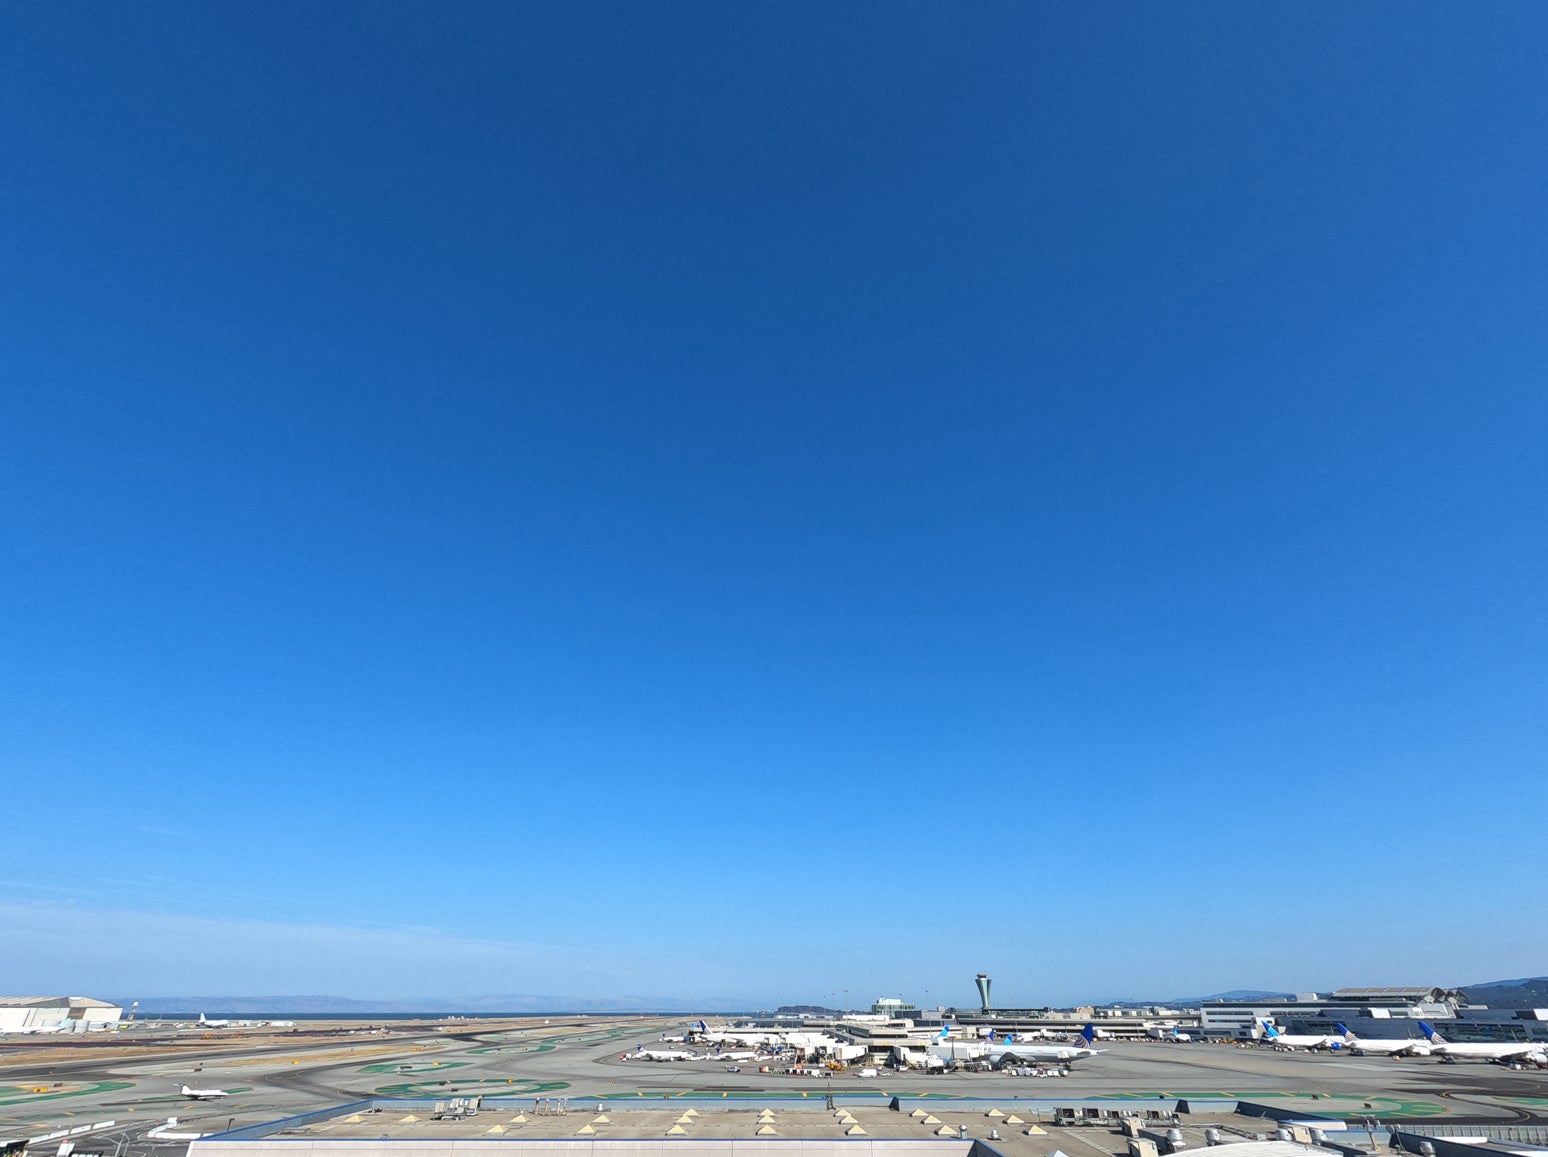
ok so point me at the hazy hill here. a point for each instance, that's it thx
(1531, 992)
(274, 1006)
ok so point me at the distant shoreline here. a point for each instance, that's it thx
(212, 1012)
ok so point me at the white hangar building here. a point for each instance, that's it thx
(57, 1013)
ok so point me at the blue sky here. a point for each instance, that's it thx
(740, 503)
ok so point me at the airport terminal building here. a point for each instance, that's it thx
(1384, 1013)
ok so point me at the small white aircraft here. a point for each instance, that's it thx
(1289, 1043)
(1533, 1052)
(1383, 1048)
(203, 1094)
(1013, 1049)
(206, 1023)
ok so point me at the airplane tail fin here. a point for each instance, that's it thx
(1343, 1031)
(201, 1018)
(1088, 1034)
(703, 1027)
(1431, 1035)
(1269, 1030)
(944, 1030)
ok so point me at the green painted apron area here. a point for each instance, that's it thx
(495, 1087)
(415, 1067)
(23, 1094)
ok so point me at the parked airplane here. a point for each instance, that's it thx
(206, 1023)
(1383, 1048)
(735, 1055)
(1289, 1043)
(642, 1053)
(37, 1029)
(1534, 1052)
(203, 1094)
(1015, 1050)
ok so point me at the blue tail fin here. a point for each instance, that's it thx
(1342, 1031)
(1431, 1035)
(1088, 1034)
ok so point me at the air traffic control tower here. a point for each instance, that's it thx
(983, 983)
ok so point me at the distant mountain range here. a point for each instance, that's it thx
(1195, 1001)
(430, 1006)
(1531, 992)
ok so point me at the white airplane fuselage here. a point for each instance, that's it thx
(203, 1094)
(1388, 1048)
(1522, 1051)
(1040, 1053)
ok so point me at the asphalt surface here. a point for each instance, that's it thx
(133, 1078)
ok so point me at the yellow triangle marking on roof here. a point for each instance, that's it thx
(855, 1131)
(600, 1119)
(994, 1113)
(406, 1120)
(1035, 1131)
(1014, 1120)
(766, 1131)
(495, 1129)
(930, 1119)
(676, 1131)
(584, 1129)
(518, 1119)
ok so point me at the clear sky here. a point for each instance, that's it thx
(740, 502)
